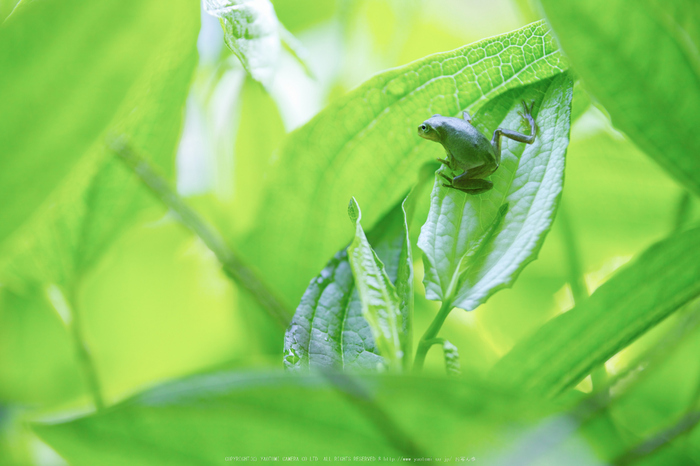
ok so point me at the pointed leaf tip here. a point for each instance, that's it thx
(354, 211)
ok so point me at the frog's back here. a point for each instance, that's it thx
(467, 145)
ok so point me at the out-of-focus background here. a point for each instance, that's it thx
(156, 305)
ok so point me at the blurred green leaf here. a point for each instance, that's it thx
(642, 294)
(100, 197)
(365, 144)
(259, 132)
(68, 68)
(303, 14)
(37, 360)
(159, 307)
(328, 329)
(96, 202)
(462, 266)
(640, 59)
(378, 296)
(253, 33)
(580, 101)
(6, 7)
(203, 420)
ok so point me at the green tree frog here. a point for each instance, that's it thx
(470, 151)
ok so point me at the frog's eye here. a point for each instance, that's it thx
(423, 127)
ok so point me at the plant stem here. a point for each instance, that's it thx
(682, 211)
(67, 308)
(428, 338)
(659, 441)
(84, 356)
(232, 265)
(579, 290)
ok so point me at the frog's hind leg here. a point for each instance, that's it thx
(468, 186)
(471, 181)
(480, 171)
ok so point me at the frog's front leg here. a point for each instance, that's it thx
(447, 161)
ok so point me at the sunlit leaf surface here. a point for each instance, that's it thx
(68, 69)
(641, 295)
(365, 145)
(641, 60)
(378, 296)
(253, 33)
(329, 329)
(460, 269)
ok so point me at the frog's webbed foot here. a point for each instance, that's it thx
(526, 115)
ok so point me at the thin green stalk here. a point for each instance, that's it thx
(429, 337)
(682, 211)
(67, 308)
(232, 265)
(579, 290)
(659, 441)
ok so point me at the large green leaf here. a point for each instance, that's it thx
(641, 60)
(328, 330)
(365, 145)
(96, 202)
(529, 180)
(205, 419)
(67, 67)
(100, 196)
(567, 348)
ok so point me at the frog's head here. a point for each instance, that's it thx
(429, 129)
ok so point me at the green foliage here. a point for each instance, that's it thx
(638, 297)
(451, 358)
(98, 198)
(365, 145)
(208, 418)
(67, 77)
(648, 77)
(329, 330)
(466, 261)
(149, 343)
(381, 307)
(252, 32)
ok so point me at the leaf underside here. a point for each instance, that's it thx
(365, 145)
(529, 180)
(328, 329)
